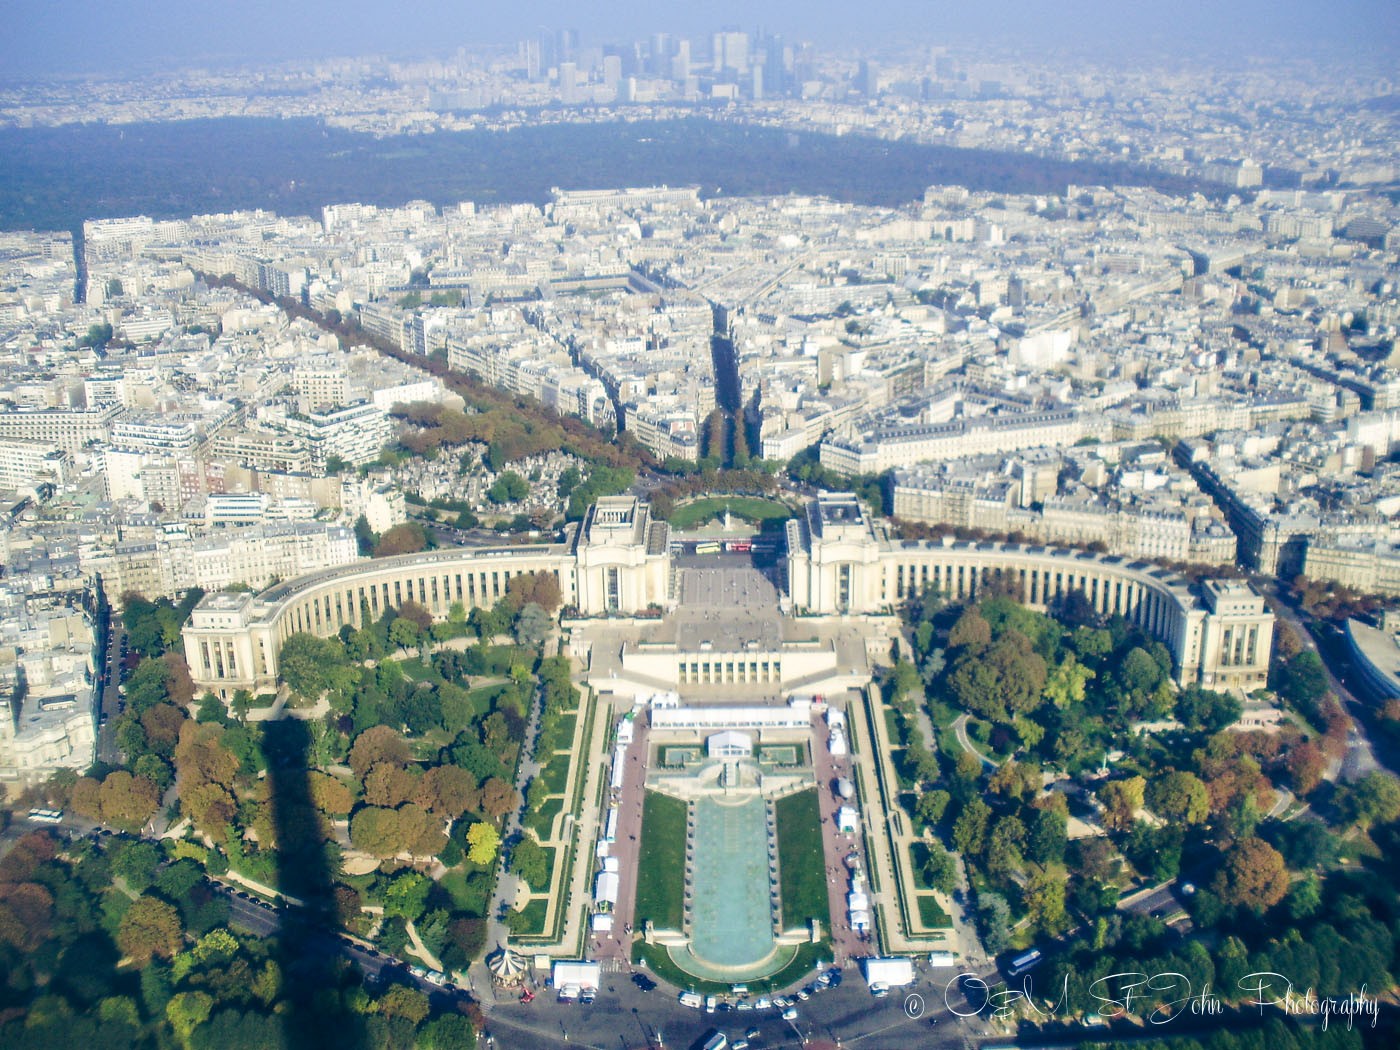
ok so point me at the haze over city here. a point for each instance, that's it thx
(45, 38)
(747, 525)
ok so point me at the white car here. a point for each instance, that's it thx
(790, 1014)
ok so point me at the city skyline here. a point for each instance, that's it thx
(129, 37)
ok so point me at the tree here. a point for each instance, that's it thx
(1374, 799)
(532, 626)
(931, 807)
(128, 801)
(1048, 837)
(407, 538)
(150, 929)
(187, 1011)
(509, 487)
(448, 1032)
(312, 666)
(994, 922)
(530, 861)
(405, 1002)
(1305, 764)
(375, 745)
(1302, 681)
(1253, 876)
(136, 864)
(1122, 799)
(404, 633)
(940, 870)
(380, 832)
(498, 798)
(1066, 684)
(483, 840)
(970, 829)
(1179, 797)
(448, 791)
(407, 895)
(971, 631)
(1044, 900)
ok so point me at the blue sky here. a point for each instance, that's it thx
(65, 36)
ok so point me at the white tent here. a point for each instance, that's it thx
(580, 974)
(892, 973)
(729, 744)
(601, 922)
(847, 819)
(606, 889)
(836, 743)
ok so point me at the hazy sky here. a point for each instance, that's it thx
(65, 36)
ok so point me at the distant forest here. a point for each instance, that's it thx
(54, 178)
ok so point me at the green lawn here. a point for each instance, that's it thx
(661, 866)
(531, 919)
(933, 915)
(750, 508)
(541, 823)
(471, 895)
(801, 860)
(555, 774)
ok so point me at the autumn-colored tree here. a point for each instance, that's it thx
(542, 588)
(128, 801)
(407, 538)
(378, 831)
(1305, 764)
(150, 929)
(971, 631)
(389, 784)
(375, 745)
(23, 860)
(448, 791)
(162, 725)
(329, 795)
(26, 912)
(1253, 876)
(498, 798)
(86, 799)
(1122, 799)
(179, 684)
(417, 614)
(210, 806)
(201, 756)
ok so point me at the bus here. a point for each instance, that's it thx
(717, 1041)
(1024, 963)
(739, 546)
(707, 547)
(46, 816)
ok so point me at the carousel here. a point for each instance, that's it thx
(507, 967)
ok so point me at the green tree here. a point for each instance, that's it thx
(530, 861)
(509, 487)
(931, 807)
(187, 1011)
(532, 626)
(483, 840)
(940, 870)
(1121, 800)
(970, 829)
(1179, 797)
(407, 896)
(1374, 799)
(404, 633)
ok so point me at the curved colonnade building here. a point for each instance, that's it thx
(838, 563)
